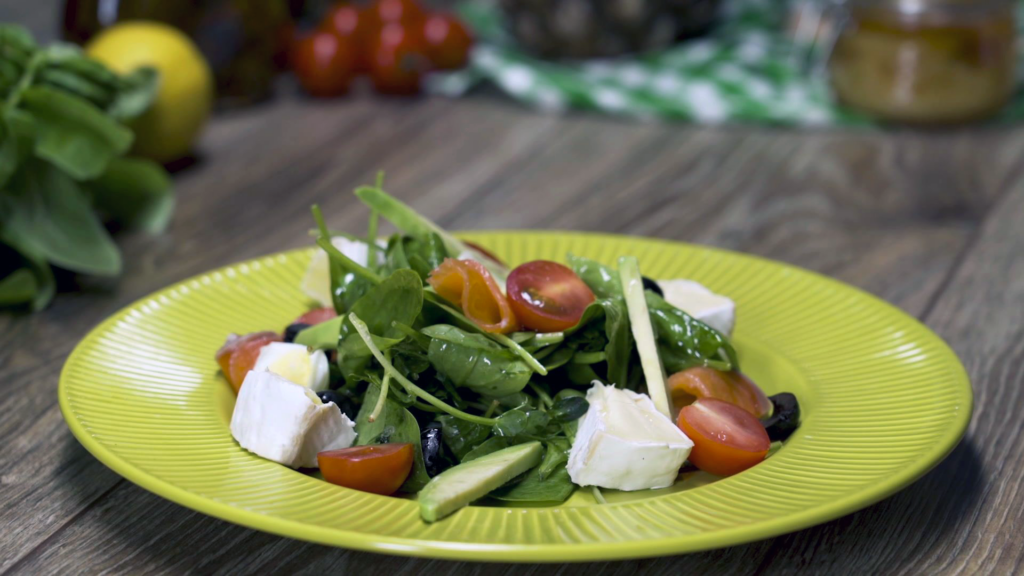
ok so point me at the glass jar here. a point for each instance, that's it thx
(925, 61)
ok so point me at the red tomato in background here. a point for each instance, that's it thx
(323, 62)
(448, 42)
(377, 468)
(355, 25)
(396, 11)
(547, 296)
(398, 60)
(314, 317)
(726, 438)
(239, 354)
(732, 387)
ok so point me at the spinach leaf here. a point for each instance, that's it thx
(557, 487)
(685, 341)
(559, 358)
(397, 425)
(524, 424)
(475, 362)
(569, 408)
(556, 456)
(398, 299)
(74, 135)
(602, 280)
(616, 330)
(44, 211)
(488, 446)
(136, 193)
(571, 426)
(461, 436)
(354, 357)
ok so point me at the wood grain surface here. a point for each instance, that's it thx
(930, 221)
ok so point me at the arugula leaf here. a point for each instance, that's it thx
(409, 221)
(475, 362)
(74, 135)
(399, 425)
(136, 193)
(44, 211)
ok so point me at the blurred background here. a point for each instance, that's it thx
(134, 85)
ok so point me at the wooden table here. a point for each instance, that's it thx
(931, 222)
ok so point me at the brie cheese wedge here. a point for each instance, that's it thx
(696, 300)
(297, 363)
(282, 421)
(624, 442)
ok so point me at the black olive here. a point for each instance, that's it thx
(434, 459)
(652, 286)
(785, 418)
(342, 401)
(293, 330)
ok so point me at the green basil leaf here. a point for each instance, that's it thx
(475, 362)
(136, 193)
(136, 92)
(99, 96)
(17, 287)
(17, 37)
(45, 212)
(398, 425)
(8, 151)
(74, 135)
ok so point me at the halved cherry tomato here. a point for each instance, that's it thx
(732, 387)
(448, 41)
(547, 296)
(468, 285)
(726, 438)
(238, 355)
(404, 11)
(355, 25)
(323, 62)
(314, 317)
(398, 59)
(377, 468)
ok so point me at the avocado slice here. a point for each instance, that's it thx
(460, 485)
(323, 336)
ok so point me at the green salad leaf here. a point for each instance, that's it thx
(475, 362)
(684, 341)
(136, 193)
(395, 424)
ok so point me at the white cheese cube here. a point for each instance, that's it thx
(625, 443)
(297, 363)
(317, 281)
(691, 297)
(282, 421)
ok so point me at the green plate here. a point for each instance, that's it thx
(884, 400)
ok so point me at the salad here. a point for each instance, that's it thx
(430, 368)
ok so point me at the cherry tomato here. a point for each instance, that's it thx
(401, 11)
(354, 25)
(732, 387)
(726, 438)
(379, 468)
(547, 296)
(323, 63)
(398, 60)
(238, 355)
(448, 41)
(468, 285)
(314, 317)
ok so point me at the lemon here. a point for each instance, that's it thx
(185, 96)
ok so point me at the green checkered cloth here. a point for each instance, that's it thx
(748, 71)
